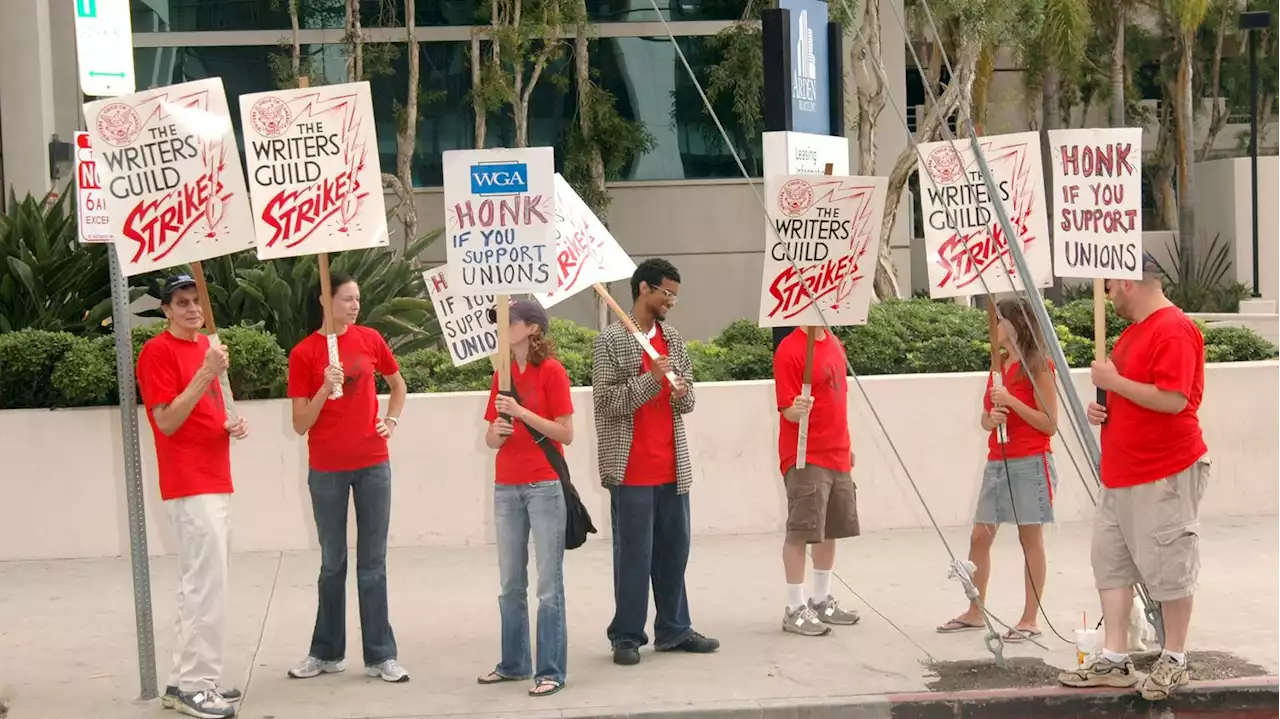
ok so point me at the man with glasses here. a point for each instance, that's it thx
(1155, 468)
(644, 463)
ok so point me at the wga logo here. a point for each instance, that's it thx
(804, 86)
(502, 178)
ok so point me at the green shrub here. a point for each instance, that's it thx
(27, 360)
(1236, 344)
(86, 374)
(258, 363)
(1077, 317)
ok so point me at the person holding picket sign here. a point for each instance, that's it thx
(822, 501)
(1020, 477)
(347, 452)
(178, 376)
(530, 428)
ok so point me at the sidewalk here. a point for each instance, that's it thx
(67, 645)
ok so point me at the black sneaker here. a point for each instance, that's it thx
(695, 644)
(626, 654)
(204, 704)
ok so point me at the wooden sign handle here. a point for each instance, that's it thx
(997, 359)
(1100, 328)
(806, 384)
(502, 362)
(327, 325)
(224, 384)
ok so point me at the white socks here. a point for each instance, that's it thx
(821, 585)
(1179, 657)
(1113, 657)
(795, 596)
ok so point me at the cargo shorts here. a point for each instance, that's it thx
(822, 504)
(1149, 533)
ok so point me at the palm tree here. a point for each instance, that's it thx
(1187, 16)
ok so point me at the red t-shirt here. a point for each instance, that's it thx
(829, 445)
(1140, 445)
(196, 459)
(1021, 439)
(345, 436)
(543, 390)
(652, 461)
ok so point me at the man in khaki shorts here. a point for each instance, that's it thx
(1154, 472)
(822, 502)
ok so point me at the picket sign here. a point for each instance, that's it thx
(1097, 178)
(172, 184)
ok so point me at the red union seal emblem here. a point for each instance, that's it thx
(795, 198)
(118, 124)
(944, 165)
(270, 116)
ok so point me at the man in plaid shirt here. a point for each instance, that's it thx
(644, 463)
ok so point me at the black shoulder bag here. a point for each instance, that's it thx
(577, 520)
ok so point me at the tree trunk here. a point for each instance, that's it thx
(582, 77)
(351, 38)
(982, 87)
(869, 88)
(359, 35)
(1163, 158)
(1184, 128)
(1218, 114)
(1050, 84)
(1118, 113)
(477, 107)
(295, 59)
(407, 132)
(957, 96)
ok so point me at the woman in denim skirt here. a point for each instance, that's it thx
(347, 456)
(528, 499)
(1020, 477)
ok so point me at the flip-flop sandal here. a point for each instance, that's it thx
(1017, 636)
(495, 678)
(555, 687)
(956, 626)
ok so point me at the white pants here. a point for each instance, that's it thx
(203, 525)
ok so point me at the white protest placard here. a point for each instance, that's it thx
(964, 242)
(1097, 185)
(823, 255)
(174, 188)
(313, 170)
(464, 320)
(500, 220)
(92, 220)
(586, 253)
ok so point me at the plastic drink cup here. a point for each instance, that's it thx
(1086, 643)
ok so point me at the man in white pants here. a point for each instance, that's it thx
(178, 374)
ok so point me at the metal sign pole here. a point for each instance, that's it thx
(133, 479)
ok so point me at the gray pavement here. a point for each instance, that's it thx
(67, 646)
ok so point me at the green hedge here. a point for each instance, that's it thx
(58, 369)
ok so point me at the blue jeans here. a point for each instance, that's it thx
(650, 541)
(371, 487)
(518, 509)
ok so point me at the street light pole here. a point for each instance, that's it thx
(1252, 22)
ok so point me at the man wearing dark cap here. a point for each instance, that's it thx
(178, 375)
(1155, 468)
(643, 457)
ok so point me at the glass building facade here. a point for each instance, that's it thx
(243, 41)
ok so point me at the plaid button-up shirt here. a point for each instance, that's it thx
(619, 388)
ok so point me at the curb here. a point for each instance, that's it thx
(1252, 698)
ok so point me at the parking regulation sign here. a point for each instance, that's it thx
(91, 202)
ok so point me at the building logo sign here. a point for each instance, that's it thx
(810, 94)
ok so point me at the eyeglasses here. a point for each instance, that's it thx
(668, 295)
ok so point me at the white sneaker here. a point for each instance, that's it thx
(204, 704)
(388, 671)
(311, 667)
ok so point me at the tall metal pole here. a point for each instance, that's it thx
(133, 479)
(1253, 147)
